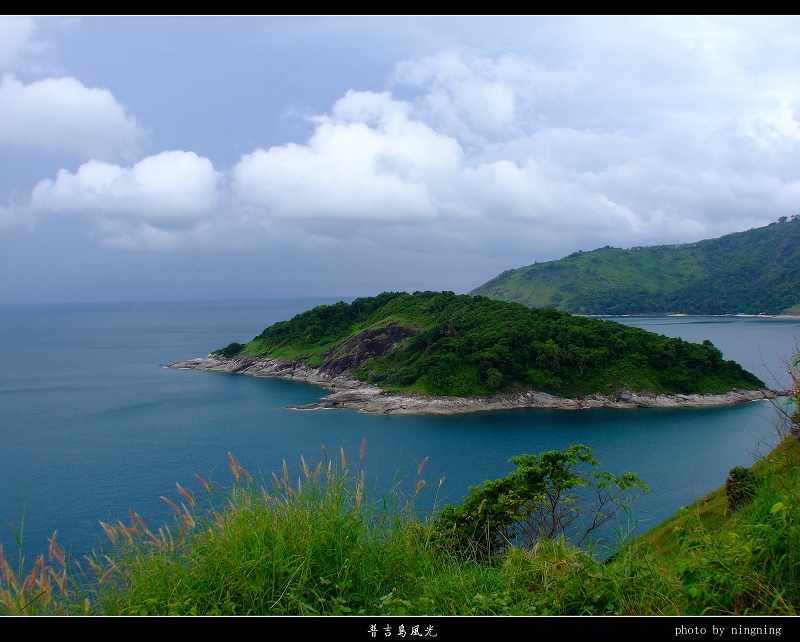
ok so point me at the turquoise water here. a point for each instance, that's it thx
(92, 425)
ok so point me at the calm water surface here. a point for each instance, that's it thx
(91, 425)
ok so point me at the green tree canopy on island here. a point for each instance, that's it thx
(441, 343)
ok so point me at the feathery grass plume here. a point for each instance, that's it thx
(137, 523)
(204, 483)
(172, 504)
(185, 494)
(304, 466)
(41, 591)
(56, 553)
(317, 473)
(237, 470)
(110, 532)
(97, 565)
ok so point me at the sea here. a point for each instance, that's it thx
(93, 426)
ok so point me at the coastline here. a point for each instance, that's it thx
(349, 393)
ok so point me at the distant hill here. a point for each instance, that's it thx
(752, 272)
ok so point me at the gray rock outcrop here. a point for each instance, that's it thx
(348, 392)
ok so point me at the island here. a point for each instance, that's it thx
(442, 353)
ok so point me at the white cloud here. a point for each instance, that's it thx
(366, 161)
(152, 203)
(475, 97)
(514, 177)
(16, 34)
(373, 171)
(61, 114)
(14, 216)
(662, 133)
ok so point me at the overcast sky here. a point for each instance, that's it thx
(173, 158)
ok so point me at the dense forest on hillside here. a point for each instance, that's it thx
(441, 343)
(752, 272)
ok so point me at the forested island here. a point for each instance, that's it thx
(752, 272)
(438, 352)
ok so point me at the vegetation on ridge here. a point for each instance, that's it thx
(752, 272)
(440, 343)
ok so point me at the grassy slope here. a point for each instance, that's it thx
(711, 510)
(750, 272)
(703, 561)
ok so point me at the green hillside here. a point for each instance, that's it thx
(441, 343)
(752, 272)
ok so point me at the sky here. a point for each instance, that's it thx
(161, 158)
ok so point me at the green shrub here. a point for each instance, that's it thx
(739, 488)
(230, 350)
(555, 494)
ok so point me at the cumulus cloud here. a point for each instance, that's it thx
(480, 98)
(152, 203)
(61, 114)
(16, 38)
(478, 157)
(366, 161)
(664, 133)
(372, 170)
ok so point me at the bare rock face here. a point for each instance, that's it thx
(376, 401)
(355, 350)
(265, 367)
(334, 373)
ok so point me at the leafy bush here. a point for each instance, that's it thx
(739, 487)
(555, 494)
(230, 350)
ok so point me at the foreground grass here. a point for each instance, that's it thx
(323, 546)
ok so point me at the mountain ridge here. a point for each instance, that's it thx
(752, 272)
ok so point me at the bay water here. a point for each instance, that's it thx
(92, 425)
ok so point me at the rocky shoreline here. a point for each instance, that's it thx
(348, 392)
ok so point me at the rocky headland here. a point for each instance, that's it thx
(348, 392)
